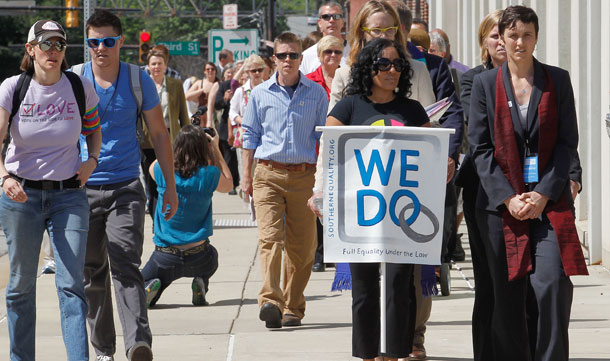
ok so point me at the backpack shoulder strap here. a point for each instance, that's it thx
(135, 83)
(23, 84)
(79, 91)
(21, 89)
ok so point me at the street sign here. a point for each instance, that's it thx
(181, 47)
(241, 43)
(229, 16)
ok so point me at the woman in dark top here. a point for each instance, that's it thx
(376, 95)
(523, 133)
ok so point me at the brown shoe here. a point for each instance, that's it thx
(418, 353)
(291, 320)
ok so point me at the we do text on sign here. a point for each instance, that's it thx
(384, 193)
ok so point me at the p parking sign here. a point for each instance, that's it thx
(241, 42)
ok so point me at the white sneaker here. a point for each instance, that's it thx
(48, 268)
(104, 358)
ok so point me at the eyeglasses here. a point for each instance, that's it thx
(377, 32)
(384, 64)
(48, 44)
(327, 17)
(331, 51)
(109, 42)
(255, 71)
(284, 56)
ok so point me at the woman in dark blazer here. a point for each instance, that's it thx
(523, 134)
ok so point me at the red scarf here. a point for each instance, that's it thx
(516, 232)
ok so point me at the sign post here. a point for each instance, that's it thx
(242, 43)
(384, 196)
(229, 17)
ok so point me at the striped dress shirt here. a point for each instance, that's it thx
(282, 129)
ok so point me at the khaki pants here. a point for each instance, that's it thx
(284, 223)
(424, 308)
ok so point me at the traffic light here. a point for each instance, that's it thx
(144, 46)
(71, 15)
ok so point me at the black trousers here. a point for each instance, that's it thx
(552, 290)
(449, 222)
(482, 310)
(319, 258)
(366, 309)
(230, 157)
(147, 158)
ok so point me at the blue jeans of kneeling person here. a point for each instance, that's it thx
(170, 267)
(65, 215)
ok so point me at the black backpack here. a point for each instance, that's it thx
(23, 84)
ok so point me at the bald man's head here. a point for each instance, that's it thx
(447, 43)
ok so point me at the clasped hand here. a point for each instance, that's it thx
(528, 205)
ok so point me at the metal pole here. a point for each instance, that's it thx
(88, 8)
(383, 308)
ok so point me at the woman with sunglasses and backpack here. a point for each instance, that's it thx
(375, 95)
(42, 180)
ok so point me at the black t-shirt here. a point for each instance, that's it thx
(360, 110)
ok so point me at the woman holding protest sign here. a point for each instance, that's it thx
(523, 132)
(376, 95)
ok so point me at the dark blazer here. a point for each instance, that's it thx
(442, 83)
(495, 188)
(221, 104)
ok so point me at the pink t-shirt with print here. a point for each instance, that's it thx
(46, 129)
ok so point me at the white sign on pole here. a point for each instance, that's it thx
(384, 193)
(229, 16)
(241, 43)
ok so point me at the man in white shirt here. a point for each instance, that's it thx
(330, 22)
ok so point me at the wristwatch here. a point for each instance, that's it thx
(3, 179)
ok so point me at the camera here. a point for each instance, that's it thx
(195, 118)
(210, 131)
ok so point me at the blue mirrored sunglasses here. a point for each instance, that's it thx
(109, 42)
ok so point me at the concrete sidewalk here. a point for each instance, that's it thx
(229, 328)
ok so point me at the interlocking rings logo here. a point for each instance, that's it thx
(405, 224)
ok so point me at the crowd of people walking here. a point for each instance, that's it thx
(513, 168)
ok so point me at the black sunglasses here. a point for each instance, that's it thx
(283, 56)
(330, 51)
(58, 45)
(384, 64)
(109, 42)
(259, 70)
(327, 17)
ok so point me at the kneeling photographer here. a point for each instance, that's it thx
(182, 245)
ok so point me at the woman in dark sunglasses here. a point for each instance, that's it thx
(376, 95)
(330, 50)
(41, 178)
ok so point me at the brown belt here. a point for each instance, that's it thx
(289, 167)
(184, 252)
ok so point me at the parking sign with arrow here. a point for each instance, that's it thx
(241, 42)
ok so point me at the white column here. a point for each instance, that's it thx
(593, 55)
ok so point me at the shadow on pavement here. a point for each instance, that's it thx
(314, 326)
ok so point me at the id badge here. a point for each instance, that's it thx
(530, 169)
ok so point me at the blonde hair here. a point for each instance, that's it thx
(254, 59)
(356, 34)
(485, 28)
(327, 42)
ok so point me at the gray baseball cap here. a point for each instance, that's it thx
(45, 29)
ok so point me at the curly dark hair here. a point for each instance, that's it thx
(191, 150)
(364, 69)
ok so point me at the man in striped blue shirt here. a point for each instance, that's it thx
(279, 125)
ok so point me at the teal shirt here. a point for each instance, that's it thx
(193, 219)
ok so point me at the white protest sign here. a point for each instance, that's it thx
(384, 193)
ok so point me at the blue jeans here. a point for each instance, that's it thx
(169, 267)
(65, 215)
